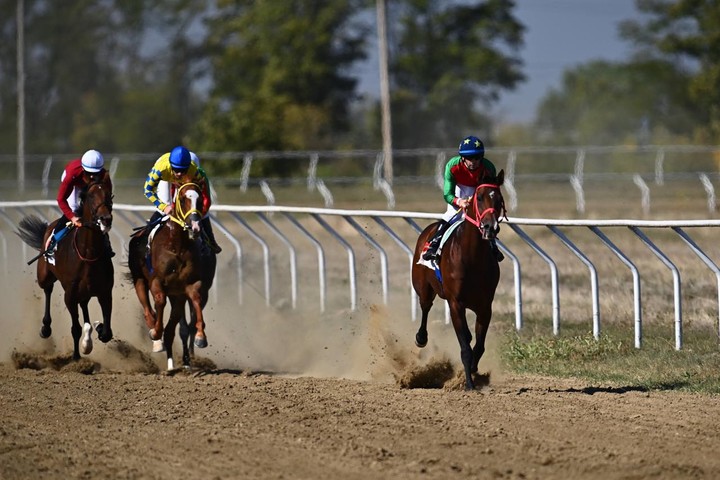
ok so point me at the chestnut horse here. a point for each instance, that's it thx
(469, 272)
(175, 267)
(82, 265)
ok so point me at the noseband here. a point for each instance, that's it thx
(477, 221)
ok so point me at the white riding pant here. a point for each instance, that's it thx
(461, 191)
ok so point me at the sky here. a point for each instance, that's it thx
(559, 35)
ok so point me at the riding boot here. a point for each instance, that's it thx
(210, 236)
(58, 232)
(431, 246)
(496, 251)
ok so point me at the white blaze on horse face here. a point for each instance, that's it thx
(194, 197)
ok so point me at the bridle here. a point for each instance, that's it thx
(98, 220)
(182, 215)
(497, 215)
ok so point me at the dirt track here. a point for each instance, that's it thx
(230, 424)
(342, 414)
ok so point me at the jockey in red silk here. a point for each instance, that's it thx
(463, 173)
(76, 176)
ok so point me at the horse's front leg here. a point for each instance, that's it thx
(186, 336)
(104, 329)
(177, 305)
(71, 304)
(482, 324)
(195, 298)
(156, 328)
(86, 344)
(457, 313)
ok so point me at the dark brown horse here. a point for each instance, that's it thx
(469, 272)
(177, 267)
(82, 265)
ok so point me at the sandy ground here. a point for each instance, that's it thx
(284, 395)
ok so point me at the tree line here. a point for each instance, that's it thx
(248, 75)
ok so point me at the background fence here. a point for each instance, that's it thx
(650, 179)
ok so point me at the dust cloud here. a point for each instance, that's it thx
(374, 343)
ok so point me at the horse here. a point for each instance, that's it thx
(82, 265)
(178, 267)
(469, 273)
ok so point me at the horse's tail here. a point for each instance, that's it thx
(31, 230)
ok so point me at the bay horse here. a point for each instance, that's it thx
(82, 265)
(177, 267)
(468, 270)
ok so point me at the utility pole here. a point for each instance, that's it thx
(384, 91)
(21, 95)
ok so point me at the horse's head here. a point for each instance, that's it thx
(188, 202)
(487, 206)
(96, 205)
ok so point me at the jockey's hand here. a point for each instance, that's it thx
(463, 203)
(76, 221)
(168, 209)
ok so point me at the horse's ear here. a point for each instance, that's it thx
(500, 177)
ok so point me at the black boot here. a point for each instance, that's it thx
(210, 236)
(430, 250)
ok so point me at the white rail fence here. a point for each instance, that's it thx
(377, 249)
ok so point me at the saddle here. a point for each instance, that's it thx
(432, 264)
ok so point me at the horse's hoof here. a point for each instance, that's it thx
(201, 342)
(86, 344)
(421, 340)
(104, 335)
(158, 346)
(45, 331)
(152, 334)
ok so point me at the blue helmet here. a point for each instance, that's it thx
(471, 147)
(180, 158)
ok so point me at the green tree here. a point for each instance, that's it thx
(280, 78)
(685, 32)
(451, 62)
(601, 103)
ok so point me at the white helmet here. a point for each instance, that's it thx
(92, 161)
(194, 159)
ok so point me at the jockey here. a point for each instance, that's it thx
(76, 176)
(463, 173)
(171, 168)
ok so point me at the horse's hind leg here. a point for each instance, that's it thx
(46, 280)
(457, 312)
(426, 296)
(46, 329)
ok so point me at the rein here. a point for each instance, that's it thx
(77, 249)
